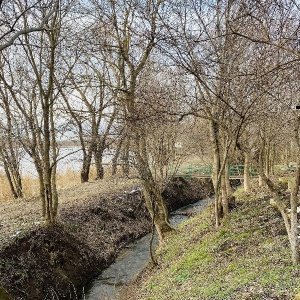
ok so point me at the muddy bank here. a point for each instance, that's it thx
(55, 263)
(181, 192)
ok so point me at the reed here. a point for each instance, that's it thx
(67, 179)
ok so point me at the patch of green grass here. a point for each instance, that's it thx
(240, 260)
(151, 286)
(182, 277)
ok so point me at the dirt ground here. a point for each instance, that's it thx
(96, 220)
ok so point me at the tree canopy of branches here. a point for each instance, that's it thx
(127, 74)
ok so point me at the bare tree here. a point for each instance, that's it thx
(10, 148)
(34, 96)
(12, 26)
(273, 23)
(200, 43)
(91, 106)
(133, 33)
(275, 26)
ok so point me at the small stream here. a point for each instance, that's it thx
(134, 258)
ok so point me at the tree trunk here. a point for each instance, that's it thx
(267, 160)
(9, 151)
(273, 159)
(294, 241)
(9, 179)
(246, 171)
(224, 196)
(291, 223)
(261, 165)
(154, 200)
(114, 161)
(98, 155)
(11, 168)
(157, 208)
(47, 164)
(86, 166)
(39, 169)
(18, 184)
(54, 192)
(287, 156)
(214, 132)
(227, 183)
(53, 167)
(125, 158)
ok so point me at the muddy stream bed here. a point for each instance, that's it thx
(134, 258)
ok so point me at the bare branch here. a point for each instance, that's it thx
(41, 27)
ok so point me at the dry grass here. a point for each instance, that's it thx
(92, 226)
(19, 215)
(65, 180)
(4, 191)
(31, 184)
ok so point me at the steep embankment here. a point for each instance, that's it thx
(247, 258)
(55, 263)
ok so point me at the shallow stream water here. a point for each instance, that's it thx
(134, 258)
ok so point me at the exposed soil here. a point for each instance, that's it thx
(41, 262)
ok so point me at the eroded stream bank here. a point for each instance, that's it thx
(56, 263)
(134, 258)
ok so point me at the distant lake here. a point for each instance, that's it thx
(72, 160)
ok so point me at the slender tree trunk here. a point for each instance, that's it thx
(18, 183)
(54, 191)
(273, 159)
(47, 164)
(125, 157)
(267, 159)
(214, 138)
(224, 196)
(287, 156)
(157, 208)
(9, 151)
(290, 222)
(39, 169)
(9, 179)
(294, 241)
(53, 168)
(261, 165)
(246, 171)
(227, 183)
(116, 157)
(155, 202)
(11, 168)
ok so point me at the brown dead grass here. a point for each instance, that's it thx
(66, 179)
(91, 229)
(17, 216)
(96, 220)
